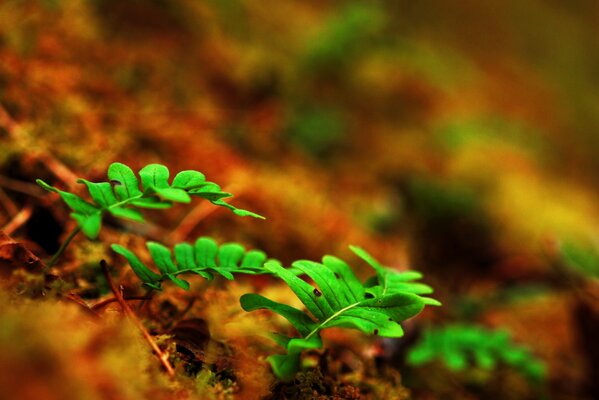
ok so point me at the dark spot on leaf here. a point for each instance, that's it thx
(369, 296)
(115, 182)
(317, 293)
(337, 275)
(376, 332)
(390, 319)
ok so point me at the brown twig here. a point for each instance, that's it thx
(131, 315)
(9, 206)
(14, 185)
(73, 298)
(101, 304)
(18, 220)
(60, 170)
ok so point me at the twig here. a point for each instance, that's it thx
(101, 304)
(63, 246)
(60, 170)
(7, 203)
(20, 186)
(131, 315)
(9, 206)
(18, 220)
(82, 304)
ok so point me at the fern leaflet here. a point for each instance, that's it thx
(122, 195)
(338, 300)
(457, 344)
(205, 258)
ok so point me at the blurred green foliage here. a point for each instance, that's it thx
(465, 346)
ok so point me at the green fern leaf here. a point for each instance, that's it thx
(389, 281)
(90, 224)
(101, 193)
(123, 194)
(144, 273)
(189, 180)
(124, 180)
(463, 346)
(205, 258)
(126, 213)
(337, 299)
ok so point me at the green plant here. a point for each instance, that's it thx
(203, 258)
(460, 346)
(122, 196)
(339, 299)
(377, 306)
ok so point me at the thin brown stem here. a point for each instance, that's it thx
(101, 304)
(18, 220)
(20, 187)
(163, 357)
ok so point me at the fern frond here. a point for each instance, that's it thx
(459, 345)
(205, 258)
(388, 280)
(338, 299)
(122, 195)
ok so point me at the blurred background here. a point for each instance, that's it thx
(459, 139)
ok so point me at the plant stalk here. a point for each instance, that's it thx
(63, 247)
(163, 357)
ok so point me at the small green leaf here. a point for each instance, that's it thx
(230, 254)
(171, 194)
(154, 176)
(144, 273)
(183, 284)
(389, 281)
(300, 320)
(162, 257)
(188, 180)
(210, 191)
(184, 256)
(206, 251)
(124, 180)
(90, 224)
(45, 186)
(74, 202)
(246, 213)
(285, 366)
(236, 211)
(101, 192)
(253, 260)
(303, 290)
(127, 213)
(353, 288)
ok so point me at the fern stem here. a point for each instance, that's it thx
(319, 327)
(63, 247)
